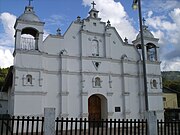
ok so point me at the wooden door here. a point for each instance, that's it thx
(94, 108)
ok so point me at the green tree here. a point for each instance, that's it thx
(3, 73)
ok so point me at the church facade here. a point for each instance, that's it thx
(89, 72)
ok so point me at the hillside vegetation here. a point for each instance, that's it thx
(171, 79)
(3, 73)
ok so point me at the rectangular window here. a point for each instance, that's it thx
(117, 109)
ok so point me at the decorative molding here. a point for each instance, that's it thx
(16, 80)
(96, 64)
(84, 93)
(155, 93)
(110, 84)
(107, 34)
(30, 93)
(40, 82)
(126, 93)
(130, 75)
(91, 33)
(110, 81)
(83, 57)
(82, 83)
(64, 93)
(31, 22)
(32, 52)
(128, 61)
(73, 72)
(110, 93)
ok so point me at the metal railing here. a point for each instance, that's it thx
(27, 43)
(102, 127)
(168, 127)
(70, 126)
(21, 125)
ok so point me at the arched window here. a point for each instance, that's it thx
(29, 79)
(151, 52)
(153, 84)
(97, 82)
(95, 48)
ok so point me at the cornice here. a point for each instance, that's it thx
(92, 33)
(41, 93)
(155, 93)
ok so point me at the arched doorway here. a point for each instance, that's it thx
(97, 107)
(94, 108)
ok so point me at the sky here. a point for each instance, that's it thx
(162, 18)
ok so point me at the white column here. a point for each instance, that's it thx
(40, 41)
(126, 105)
(107, 46)
(84, 98)
(64, 88)
(18, 39)
(141, 92)
(64, 104)
(110, 105)
(84, 102)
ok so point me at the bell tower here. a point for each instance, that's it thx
(28, 31)
(151, 46)
(153, 72)
(93, 12)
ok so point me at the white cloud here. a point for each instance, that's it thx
(8, 21)
(7, 39)
(6, 58)
(175, 14)
(160, 35)
(160, 6)
(150, 13)
(114, 11)
(166, 28)
(171, 65)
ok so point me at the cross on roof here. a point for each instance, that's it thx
(93, 3)
(30, 2)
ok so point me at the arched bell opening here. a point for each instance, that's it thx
(29, 39)
(151, 52)
(139, 48)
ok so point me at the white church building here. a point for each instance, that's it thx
(88, 72)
